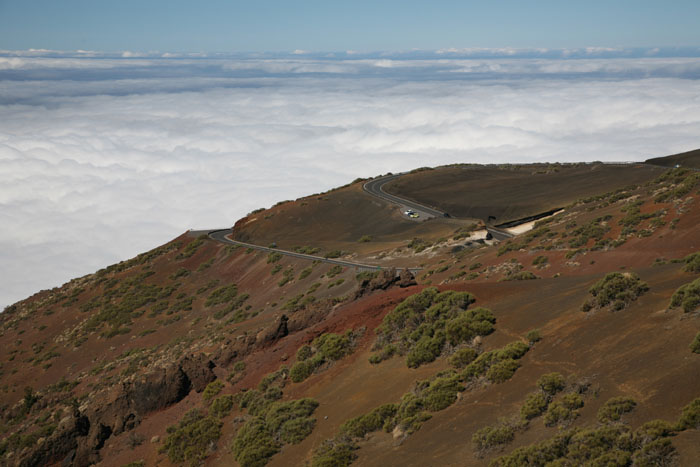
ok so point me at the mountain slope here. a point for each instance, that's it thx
(199, 352)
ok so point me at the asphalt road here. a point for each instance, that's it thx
(221, 235)
(375, 188)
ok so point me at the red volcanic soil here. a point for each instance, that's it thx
(641, 351)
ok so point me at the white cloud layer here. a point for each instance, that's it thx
(104, 157)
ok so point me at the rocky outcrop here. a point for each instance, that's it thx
(384, 279)
(79, 437)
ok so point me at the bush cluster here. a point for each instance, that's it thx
(615, 408)
(687, 297)
(418, 245)
(192, 247)
(682, 182)
(520, 276)
(424, 324)
(692, 263)
(190, 439)
(563, 411)
(414, 408)
(616, 290)
(212, 389)
(610, 444)
(695, 345)
(328, 347)
(490, 436)
(279, 423)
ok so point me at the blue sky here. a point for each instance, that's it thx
(273, 25)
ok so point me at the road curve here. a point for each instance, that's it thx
(221, 236)
(375, 188)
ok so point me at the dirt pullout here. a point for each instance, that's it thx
(505, 194)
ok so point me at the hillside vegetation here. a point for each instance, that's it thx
(574, 343)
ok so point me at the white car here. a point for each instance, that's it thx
(408, 212)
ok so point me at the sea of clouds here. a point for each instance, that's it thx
(104, 156)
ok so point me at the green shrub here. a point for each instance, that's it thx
(695, 345)
(692, 263)
(254, 444)
(212, 389)
(687, 296)
(551, 383)
(616, 290)
(279, 423)
(514, 350)
(292, 420)
(492, 436)
(426, 350)
(190, 439)
(502, 371)
(463, 357)
(358, 427)
(654, 429)
(535, 404)
(334, 453)
(533, 336)
(305, 273)
(333, 254)
(440, 392)
(540, 261)
(690, 417)
(614, 408)
(221, 406)
(191, 247)
(656, 453)
(420, 326)
(273, 257)
(304, 353)
(520, 276)
(222, 295)
(287, 275)
(418, 245)
(301, 370)
(563, 411)
(334, 346)
(365, 239)
(334, 271)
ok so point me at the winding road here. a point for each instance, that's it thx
(373, 187)
(376, 188)
(221, 235)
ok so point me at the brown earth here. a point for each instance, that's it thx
(508, 193)
(142, 381)
(684, 159)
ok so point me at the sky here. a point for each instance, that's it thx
(123, 124)
(361, 25)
